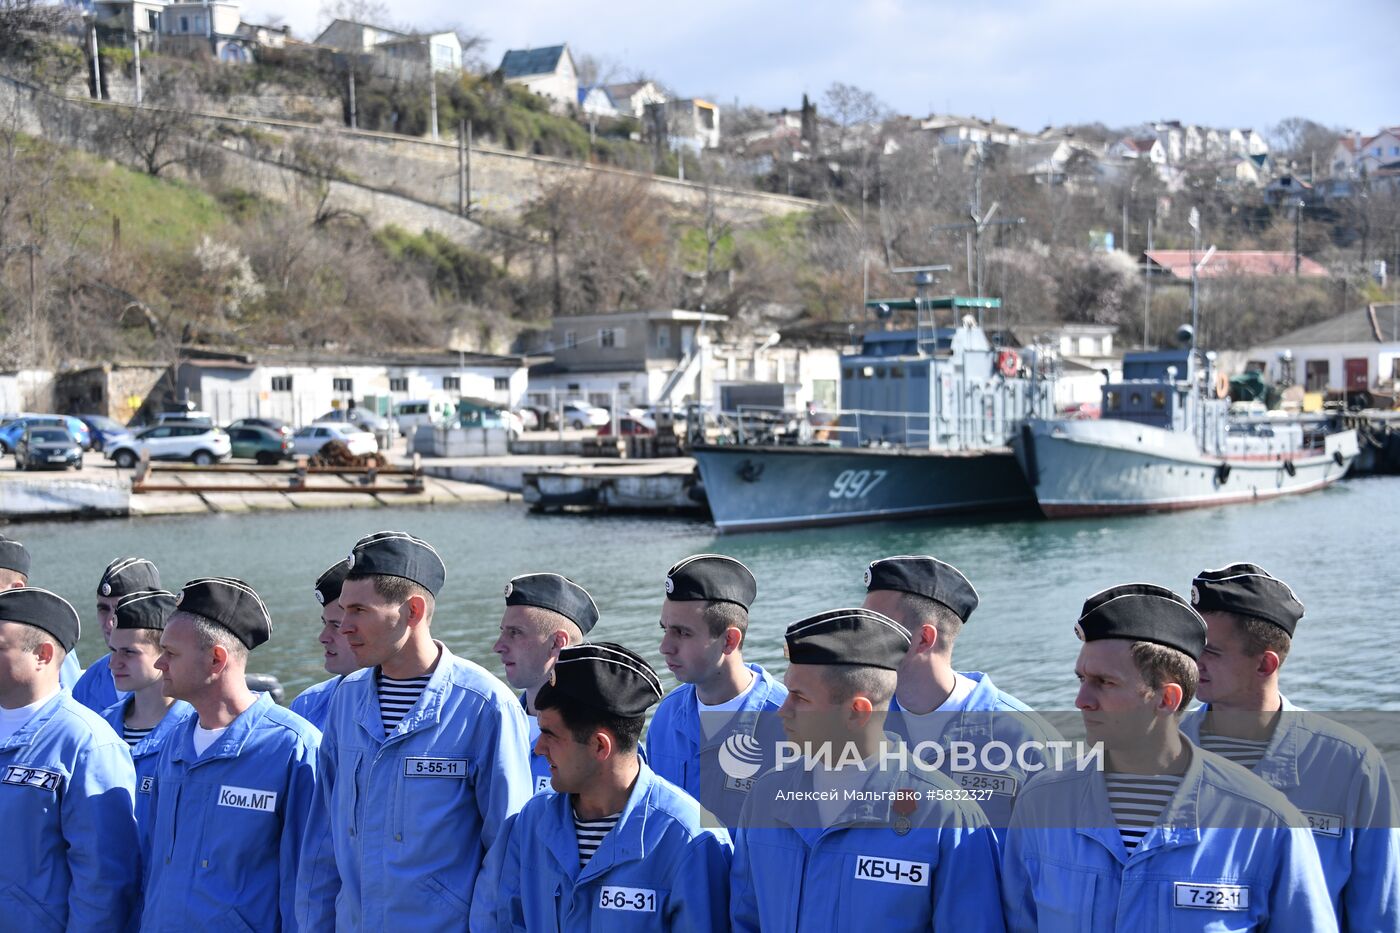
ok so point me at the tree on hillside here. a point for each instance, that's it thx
(608, 243)
(163, 132)
(1304, 144)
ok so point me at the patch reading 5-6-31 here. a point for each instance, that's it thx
(33, 777)
(891, 870)
(1212, 896)
(248, 798)
(435, 767)
(642, 900)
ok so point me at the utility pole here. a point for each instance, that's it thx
(136, 60)
(1147, 292)
(96, 65)
(354, 116)
(1297, 224)
(464, 196)
(432, 99)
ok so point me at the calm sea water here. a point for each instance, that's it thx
(1338, 549)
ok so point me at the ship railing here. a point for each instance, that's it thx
(764, 424)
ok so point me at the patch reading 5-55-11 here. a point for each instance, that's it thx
(23, 776)
(435, 767)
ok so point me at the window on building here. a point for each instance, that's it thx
(184, 24)
(281, 383)
(663, 338)
(600, 399)
(153, 20)
(342, 385)
(502, 383)
(624, 387)
(606, 338)
(1316, 374)
(398, 383)
(570, 340)
(452, 383)
(573, 387)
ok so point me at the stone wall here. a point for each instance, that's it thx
(386, 179)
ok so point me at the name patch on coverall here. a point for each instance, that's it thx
(637, 899)
(23, 776)
(891, 870)
(247, 798)
(1212, 896)
(435, 767)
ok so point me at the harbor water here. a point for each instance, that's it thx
(1338, 549)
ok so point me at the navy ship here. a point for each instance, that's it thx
(1166, 440)
(925, 429)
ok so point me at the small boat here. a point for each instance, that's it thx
(1166, 440)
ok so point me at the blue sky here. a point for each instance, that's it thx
(1027, 62)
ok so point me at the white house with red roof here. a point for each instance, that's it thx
(1356, 153)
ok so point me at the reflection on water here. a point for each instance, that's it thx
(1336, 548)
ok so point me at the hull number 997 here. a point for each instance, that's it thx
(856, 484)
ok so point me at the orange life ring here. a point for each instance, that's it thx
(1222, 385)
(1008, 362)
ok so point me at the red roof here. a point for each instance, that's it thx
(1234, 263)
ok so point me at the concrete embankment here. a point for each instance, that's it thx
(103, 492)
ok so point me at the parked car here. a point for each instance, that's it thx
(361, 418)
(579, 414)
(423, 411)
(199, 443)
(271, 424)
(47, 447)
(192, 416)
(630, 425)
(264, 445)
(308, 441)
(12, 432)
(545, 418)
(105, 432)
(484, 413)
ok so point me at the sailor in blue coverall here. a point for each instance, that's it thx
(1155, 834)
(424, 758)
(850, 833)
(234, 782)
(612, 846)
(146, 718)
(1332, 774)
(66, 784)
(95, 689)
(704, 619)
(544, 613)
(937, 704)
(314, 702)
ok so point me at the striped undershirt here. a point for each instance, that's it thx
(396, 698)
(1241, 751)
(590, 835)
(133, 736)
(1137, 800)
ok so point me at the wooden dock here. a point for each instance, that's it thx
(668, 485)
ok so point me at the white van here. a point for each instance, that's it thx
(424, 411)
